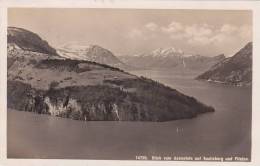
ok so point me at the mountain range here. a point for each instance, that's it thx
(235, 70)
(40, 80)
(171, 59)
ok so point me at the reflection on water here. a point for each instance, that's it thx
(226, 132)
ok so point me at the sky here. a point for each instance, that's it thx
(136, 31)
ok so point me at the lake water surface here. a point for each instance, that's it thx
(226, 132)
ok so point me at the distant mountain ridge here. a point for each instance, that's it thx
(235, 70)
(164, 52)
(171, 58)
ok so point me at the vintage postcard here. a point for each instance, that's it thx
(131, 84)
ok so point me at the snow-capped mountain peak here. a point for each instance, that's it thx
(82, 47)
(170, 50)
(167, 52)
(94, 53)
(157, 51)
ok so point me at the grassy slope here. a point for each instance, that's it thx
(94, 87)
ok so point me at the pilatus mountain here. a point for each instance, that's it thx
(235, 70)
(171, 59)
(42, 81)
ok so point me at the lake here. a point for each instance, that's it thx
(226, 132)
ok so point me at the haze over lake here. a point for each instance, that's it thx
(225, 132)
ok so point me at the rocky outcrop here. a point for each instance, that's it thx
(235, 70)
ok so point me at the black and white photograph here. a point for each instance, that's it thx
(129, 84)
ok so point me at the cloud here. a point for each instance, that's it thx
(177, 36)
(228, 29)
(205, 34)
(198, 33)
(195, 34)
(135, 33)
(218, 38)
(172, 27)
(245, 31)
(151, 26)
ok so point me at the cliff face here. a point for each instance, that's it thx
(83, 90)
(235, 70)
